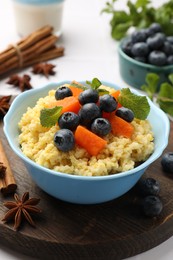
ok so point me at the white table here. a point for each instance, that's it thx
(89, 52)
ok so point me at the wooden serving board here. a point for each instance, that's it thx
(113, 230)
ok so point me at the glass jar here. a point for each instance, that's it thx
(31, 15)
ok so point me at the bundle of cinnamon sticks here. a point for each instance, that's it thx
(37, 47)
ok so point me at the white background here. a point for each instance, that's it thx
(89, 52)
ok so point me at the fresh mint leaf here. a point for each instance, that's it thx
(95, 84)
(49, 116)
(165, 98)
(142, 3)
(166, 105)
(139, 14)
(171, 78)
(166, 90)
(102, 91)
(138, 104)
(152, 80)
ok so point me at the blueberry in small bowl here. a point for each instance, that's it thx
(93, 162)
(145, 51)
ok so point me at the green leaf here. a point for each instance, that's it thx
(166, 90)
(95, 84)
(140, 14)
(102, 92)
(166, 105)
(171, 78)
(152, 80)
(120, 30)
(165, 98)
(138, 104)
(49, 116)
(142, 3)
(120, 24)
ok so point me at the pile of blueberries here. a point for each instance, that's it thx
(89, 115)
(150, 45)
(149, 189)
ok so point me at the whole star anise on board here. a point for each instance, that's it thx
(44, 68)
(22, 82)
(4, 105)
(21, 208)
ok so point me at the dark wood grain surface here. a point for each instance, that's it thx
(113, 230)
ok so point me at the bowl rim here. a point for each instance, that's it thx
(138, 63)
(29, 93)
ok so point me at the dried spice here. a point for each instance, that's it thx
(22, 82)
(39, 46)
(21, 208)
(2, 170)
(44, 68)
(4, 105)
(7, 181)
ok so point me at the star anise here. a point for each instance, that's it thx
(21, 208)
(4, 105)
(2, 170)
(22, 82)
(44, 68)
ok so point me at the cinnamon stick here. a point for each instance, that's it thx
(39, 46)
(26, 42)
(30, 53)
(7, 181)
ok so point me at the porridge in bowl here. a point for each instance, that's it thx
(123, 142)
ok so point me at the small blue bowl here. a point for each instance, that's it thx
(81, 189)
(134, 72)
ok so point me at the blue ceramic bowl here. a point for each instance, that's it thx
(81, 189)
(134, 72)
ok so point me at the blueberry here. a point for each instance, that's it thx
(140, 49)
(148, 186)
(167, 48)
(138, 36)
(68, 120)
(64, 140)
(169, 39)
(125, 113)
(156, 41)
(140, 59)
(88, 96)
(152, 206)
(63, 92)
(155, 28)
(101, 126)
(88, 113)
(127, 47)
(108, 103)
(167, 162)
(170, 60)
(157, 58)
(148, 32)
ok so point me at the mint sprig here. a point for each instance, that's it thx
(138, 104)
(138, 14)
(164, 96)
(49, 116)
(151, 85)
(95, 84)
